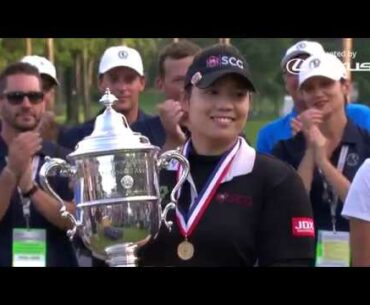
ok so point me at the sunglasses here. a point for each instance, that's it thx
(17, 97)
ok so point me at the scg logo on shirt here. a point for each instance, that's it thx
(303, 226)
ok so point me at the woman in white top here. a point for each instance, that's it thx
(357, 209)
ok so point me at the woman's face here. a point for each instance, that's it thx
(325, 94)
(218, 113)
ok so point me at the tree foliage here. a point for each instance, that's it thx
(263, 54)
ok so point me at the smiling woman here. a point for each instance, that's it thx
(328, 151)
(237, 207)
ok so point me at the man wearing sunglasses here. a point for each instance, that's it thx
(48, 127)
(32, 231)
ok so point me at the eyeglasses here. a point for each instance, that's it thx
(17, 97)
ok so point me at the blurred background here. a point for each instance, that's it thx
(77, 59)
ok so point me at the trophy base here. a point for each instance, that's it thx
(122, 255)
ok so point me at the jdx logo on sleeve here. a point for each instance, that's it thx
(303, 226)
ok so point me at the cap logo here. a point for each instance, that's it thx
(213, 61)
(353, 159)
(196, 78)
(314, 63)
(301, 46)
(293, 66)
(122, 54)
(233, 62)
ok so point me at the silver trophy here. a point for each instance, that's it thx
(115, 177)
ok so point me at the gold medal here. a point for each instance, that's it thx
(185, 250)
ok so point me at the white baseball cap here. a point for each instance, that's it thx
(301, 47)
(43, 65)
(121, 56)
(325, 64)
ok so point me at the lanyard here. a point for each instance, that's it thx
(333, 202)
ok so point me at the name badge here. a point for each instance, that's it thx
(333, 249)
(29, 248)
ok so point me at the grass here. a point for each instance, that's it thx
(251, 129)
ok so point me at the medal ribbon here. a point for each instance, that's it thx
(188, 221)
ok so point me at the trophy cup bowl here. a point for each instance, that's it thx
(115, 174)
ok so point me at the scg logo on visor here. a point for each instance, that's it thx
(214, 61)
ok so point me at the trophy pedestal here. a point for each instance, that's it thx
(122, 255)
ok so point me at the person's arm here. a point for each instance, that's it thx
(333, 176)
(172, 142)
(171, 114)
(8, 183)
(307, 124)
(357, 209)
(306, 168)
(46, 205)
(360, 242)
(50, 209)
(296, 125)
(286, 235)
(20, 153)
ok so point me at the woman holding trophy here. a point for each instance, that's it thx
(237, 207)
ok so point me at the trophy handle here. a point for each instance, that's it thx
(49, 168)
(125, 122)
(163, 161)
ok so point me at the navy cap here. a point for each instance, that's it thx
(216, 62)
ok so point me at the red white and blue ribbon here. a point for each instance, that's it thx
(188, 221)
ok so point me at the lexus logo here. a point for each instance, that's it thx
(293, 65)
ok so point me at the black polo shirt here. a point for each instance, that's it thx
(153, 129)
(71, 136)
(250, 218)
(59, 250)
(292, 152)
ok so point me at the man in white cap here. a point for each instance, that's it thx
(280, 129)
(48, 76)
(165, 130)
(48, 127)
(285, 127)
(121, 70)
(329, 150)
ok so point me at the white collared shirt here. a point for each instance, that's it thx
(357, 203)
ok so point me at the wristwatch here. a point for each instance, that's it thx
(32, 191)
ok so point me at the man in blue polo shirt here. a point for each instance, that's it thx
(280, 129)
(121, 70)
(32, 231)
